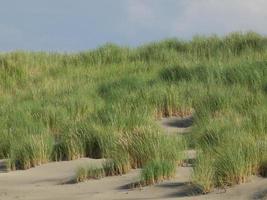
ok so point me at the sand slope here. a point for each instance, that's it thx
(46, 182)
(53, 181)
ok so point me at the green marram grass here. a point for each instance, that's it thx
(109, 167)
(104, 103)
(157, 171)
(84, 173)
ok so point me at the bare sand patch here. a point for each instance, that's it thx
(45, 183)
(50, 181)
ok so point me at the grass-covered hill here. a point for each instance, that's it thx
(105, 103)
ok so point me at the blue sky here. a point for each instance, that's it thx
(75, 25)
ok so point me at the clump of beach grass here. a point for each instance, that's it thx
(156, 171)
(203, 174)
(89, 172)
(33, 151)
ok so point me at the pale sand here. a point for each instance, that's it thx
(53, 181)
(46, 182)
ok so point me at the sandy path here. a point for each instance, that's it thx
(46, 182)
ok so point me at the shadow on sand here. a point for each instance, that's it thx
(260, 195)
(3, 166)
(181, 189)
(178, 122)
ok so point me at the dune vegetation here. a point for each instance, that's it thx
(104, 103)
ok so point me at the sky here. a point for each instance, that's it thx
(77, 25)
